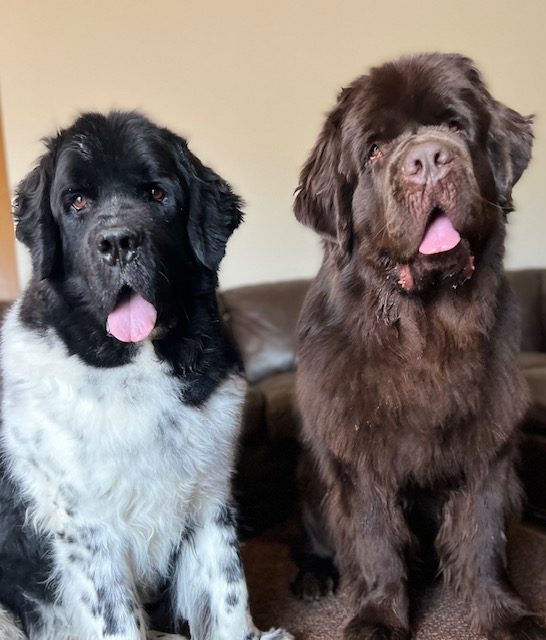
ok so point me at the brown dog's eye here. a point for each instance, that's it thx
(157, 194)
(374, 152)
(455, 126)
(79, 202)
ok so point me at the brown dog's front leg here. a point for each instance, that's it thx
(372, 540)
(471, 546)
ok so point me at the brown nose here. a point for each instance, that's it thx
(427, 162)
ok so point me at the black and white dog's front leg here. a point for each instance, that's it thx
(209, 587)
(96, 587)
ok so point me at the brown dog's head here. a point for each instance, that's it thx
(413, 170)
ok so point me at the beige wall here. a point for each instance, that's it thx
(248, 82)
(8, 270)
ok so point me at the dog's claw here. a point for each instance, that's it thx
(272, 634)
(311, 587)
(316, 579)
(276, 634)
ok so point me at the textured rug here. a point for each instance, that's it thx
(438, 614)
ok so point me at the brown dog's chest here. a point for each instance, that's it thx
(410, 395)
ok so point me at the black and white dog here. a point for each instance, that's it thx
(122, 396)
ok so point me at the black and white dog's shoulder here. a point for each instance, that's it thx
(122, 396)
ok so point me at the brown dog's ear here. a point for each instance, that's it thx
(35, 225)
(509, 139)
(323, 197)
(509, 145)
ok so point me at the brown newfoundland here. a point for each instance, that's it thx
(407, 378)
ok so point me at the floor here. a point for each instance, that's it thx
(438, 614)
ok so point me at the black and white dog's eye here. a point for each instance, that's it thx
(157, 194)
(79, 202)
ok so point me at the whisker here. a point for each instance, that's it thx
(164, 275)
(492, 204)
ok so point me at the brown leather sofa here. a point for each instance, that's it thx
(262, 320)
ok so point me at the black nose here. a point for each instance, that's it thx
(427, 162)
(118, 245)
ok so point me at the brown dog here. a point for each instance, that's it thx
(407, 378)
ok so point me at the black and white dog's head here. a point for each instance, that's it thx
(123, 222)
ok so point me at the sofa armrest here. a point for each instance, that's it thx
(529, 285)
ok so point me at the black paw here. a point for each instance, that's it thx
(316, 579)
(358, 630)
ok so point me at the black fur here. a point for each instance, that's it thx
(25, 569)
(226, 517)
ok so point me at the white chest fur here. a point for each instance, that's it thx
(114, 447)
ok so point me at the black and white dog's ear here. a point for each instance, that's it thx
(35, 225)
(215, 213)
(214, 209)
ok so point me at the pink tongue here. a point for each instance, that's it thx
(132, 320)
(439, 236)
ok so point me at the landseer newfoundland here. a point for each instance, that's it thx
(407, 378)
(122, 396)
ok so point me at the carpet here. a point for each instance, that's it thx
(438, 614)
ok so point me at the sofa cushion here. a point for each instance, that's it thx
(253, 419)
(533, 365)
(281, 417)
(4, 306)
(262, 320)
(532, 360)
(536, 378)
(533, 473)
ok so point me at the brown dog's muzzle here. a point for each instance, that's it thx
(427, 175)
(431, 201)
